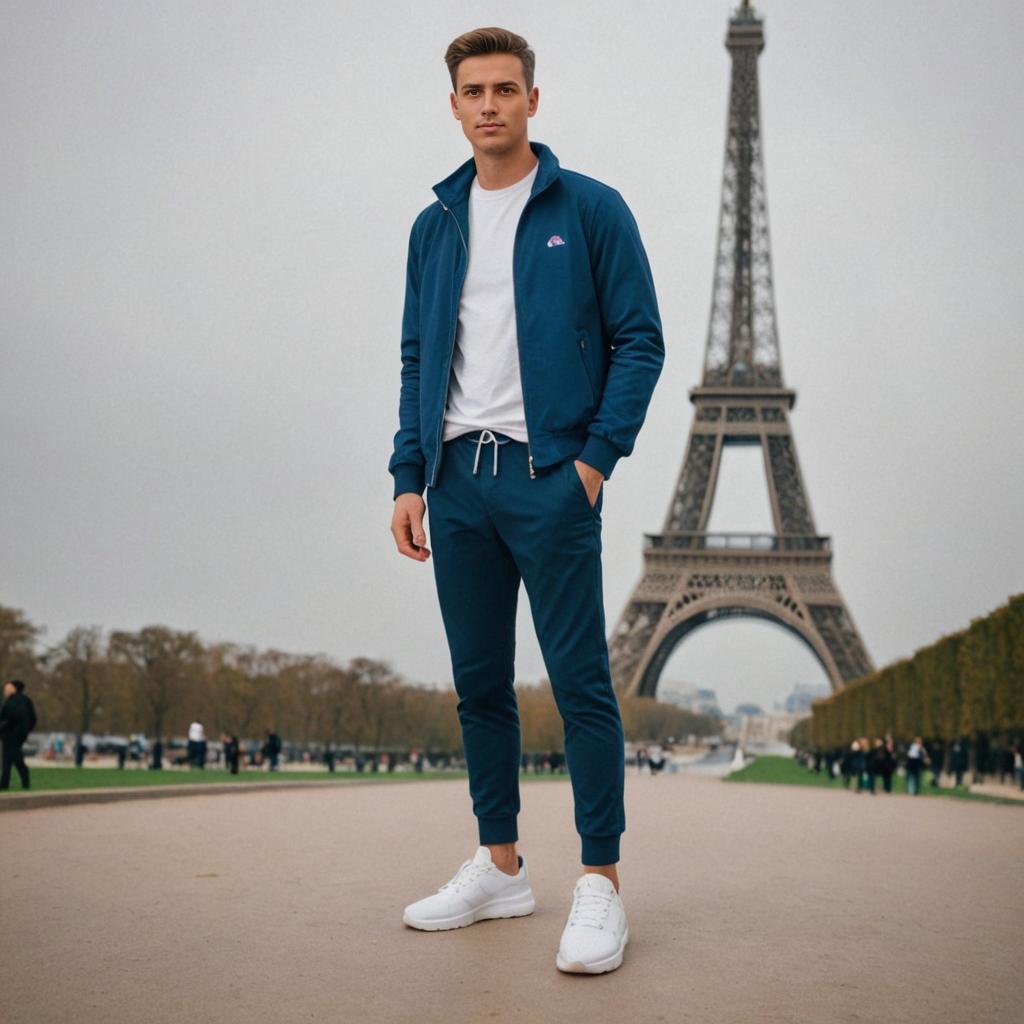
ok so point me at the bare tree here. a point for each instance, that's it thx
(17, 643)
(380, 698)
(78, 676)
(163, 660)
(237, 689)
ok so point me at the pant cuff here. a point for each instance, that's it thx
(497, 830)
(600, 850)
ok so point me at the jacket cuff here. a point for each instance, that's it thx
(601, 454)
(409, 479)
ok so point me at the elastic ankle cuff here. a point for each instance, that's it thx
(600, 850)
(497, 830)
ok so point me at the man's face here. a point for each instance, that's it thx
(491, 102)
(8, 689)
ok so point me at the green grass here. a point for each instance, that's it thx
(785, 771)
(45, 779)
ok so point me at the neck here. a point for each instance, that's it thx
(499, 170)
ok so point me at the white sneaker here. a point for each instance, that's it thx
(478, 890)
(596, 933)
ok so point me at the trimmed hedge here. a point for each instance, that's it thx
(969, 682)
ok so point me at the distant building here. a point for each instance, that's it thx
(691, 698)
(799, 701)
(770, 728)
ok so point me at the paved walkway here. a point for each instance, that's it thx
(747, 903)
(1004, 789)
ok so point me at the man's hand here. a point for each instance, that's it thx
(592, 480)
(407, 526)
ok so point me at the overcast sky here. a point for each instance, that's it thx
(205, 208)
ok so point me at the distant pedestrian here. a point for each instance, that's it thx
(196, 745)
(958, 762)
(231, 752)
(271, 748)
(1005, 761)
(872, 762)
(885, 763)
(849, 763)
(917, 758)
(863, 759)
(17, 720)
(937, 752)
(1018, 765)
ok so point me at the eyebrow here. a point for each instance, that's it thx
(497, 85)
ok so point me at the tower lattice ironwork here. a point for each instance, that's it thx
(692, 576)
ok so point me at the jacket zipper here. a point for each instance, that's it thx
(515, 298)
(451, 349)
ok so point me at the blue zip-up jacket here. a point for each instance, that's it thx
(588, 327)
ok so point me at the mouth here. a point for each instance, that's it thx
(490, 126)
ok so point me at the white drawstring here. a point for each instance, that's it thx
(486, 436)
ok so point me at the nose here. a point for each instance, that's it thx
(490, 103)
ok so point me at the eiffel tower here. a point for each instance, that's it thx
(691, 576)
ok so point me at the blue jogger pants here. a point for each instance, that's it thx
(490, 526)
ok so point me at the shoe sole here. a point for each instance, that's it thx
(609, 963)
(507, 906)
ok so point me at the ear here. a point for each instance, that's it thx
(455, 107)
(532, 101)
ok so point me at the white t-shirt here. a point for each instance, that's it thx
(485, 389)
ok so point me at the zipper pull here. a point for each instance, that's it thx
(532, 474)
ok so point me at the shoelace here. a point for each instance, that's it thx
(466, 874)
(590, 908)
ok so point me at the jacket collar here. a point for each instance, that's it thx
(455, 188)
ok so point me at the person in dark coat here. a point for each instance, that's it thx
(17, 720)
(861, 763)
(937, 752)
(885, 764)
(874, 761)
(958, 762)
(271, 748)
(231, 752)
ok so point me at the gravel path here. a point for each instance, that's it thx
(746, 903)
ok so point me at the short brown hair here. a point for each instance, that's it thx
(490, 40)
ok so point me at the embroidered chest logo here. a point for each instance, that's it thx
(555, 240)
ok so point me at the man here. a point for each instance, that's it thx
(530, 327)
(231, 751)
(917, 758)
(196, 745)
(271, 748)
(17, 720)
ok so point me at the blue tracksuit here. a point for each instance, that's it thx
(501, 511)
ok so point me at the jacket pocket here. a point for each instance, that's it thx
(577, 486)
